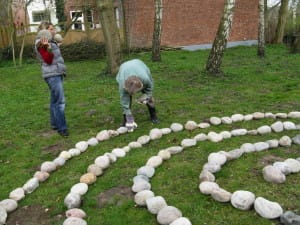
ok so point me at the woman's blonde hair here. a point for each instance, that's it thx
(44, 25)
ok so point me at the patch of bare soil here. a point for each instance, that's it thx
(270, 159)
(114, 196)
(54, 149)
(31, 215)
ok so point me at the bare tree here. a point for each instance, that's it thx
(156, 56)
(111, 35)
(261, 29)
(216, 54)
(282, 17)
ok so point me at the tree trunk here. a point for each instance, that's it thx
(282, 17)
(216, 54)
(111, 35)
(156, 56)
(294, 14)
(261, 29)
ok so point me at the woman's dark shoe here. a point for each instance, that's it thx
(63, 133)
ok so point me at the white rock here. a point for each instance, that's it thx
(154, 161)
(134, 144)
(122, 130)
(126, 148)
(225, 134)
(185, 143)
(288, 125)
(217, 158)
(168, 214)
(41, 175)
(181, 221)
(273, 143)
(277, 126)
(237, 117)
(155, 134)
(75, 212)
(214, 137)
(285, 141)
(261, 146)
(140, 185)
(112, 157)
(205, 175)
(17, 194)
(138, 178)
(212, 167)
(226, 120)
(66, 155)
(238, 132)
(74, 221)
(80, 188)
(174, 149)
(294, 115)
(166, 130)
(146, 170)
(293, 164)
(94, 169)
(9, 205)
(200, 137)
(72, 200)
(155, 203)
(31, 185)
(141, 197)
(252, 132)
(164, 154)
(248, 147)
(113, 133)
(92, 141)
(267, 209)
(207, 187)
(248, 117)
(203, 125)
(273, 174)
(72, 152)
(215, 120)
(48, 166)
(281, 115)
(283, 167)
(264, 129)
(144, 139)
(233, 154)
(191, 125)
(103, 135)
(221, 195)
(176, 127)
(119, 152)
(102, 161)
(82, 146)
(3, 216)
(242, 199)
(59, 161)
(258, 115)
(270, 115)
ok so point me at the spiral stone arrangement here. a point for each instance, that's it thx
(157, 205)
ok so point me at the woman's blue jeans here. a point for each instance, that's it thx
(57, 102)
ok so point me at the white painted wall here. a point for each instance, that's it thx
(39, 6)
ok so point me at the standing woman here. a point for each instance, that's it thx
(53, 72)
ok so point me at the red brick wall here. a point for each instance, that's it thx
(188, 22)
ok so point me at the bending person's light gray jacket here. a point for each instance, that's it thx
(134, 67)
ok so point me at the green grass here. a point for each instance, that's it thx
(183, 91)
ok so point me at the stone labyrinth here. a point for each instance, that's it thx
(156, 204)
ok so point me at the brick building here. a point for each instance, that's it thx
(188, 22)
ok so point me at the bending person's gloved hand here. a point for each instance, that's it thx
(130, 124)
(144, 99)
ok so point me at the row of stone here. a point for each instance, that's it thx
(157, 204)
(50, 166)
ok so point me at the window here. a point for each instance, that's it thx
(77, 19)
(89, 18)
(38, 16)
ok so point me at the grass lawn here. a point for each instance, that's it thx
(183, 91)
